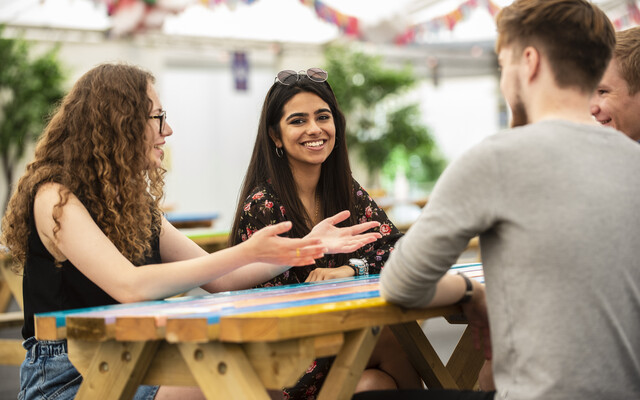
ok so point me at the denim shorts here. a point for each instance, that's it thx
(47, 373)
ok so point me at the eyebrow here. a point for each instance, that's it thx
(318, 111)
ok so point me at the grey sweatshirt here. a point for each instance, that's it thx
(557, 208)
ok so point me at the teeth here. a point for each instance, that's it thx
(314, 144)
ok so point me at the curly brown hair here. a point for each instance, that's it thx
(95, 147)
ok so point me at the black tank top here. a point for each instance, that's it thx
(47, 288)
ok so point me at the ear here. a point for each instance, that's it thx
(275, 138)
(531, 60)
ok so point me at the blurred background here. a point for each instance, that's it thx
(417, 79)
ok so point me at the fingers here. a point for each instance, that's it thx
(339, 217)
(353, 245)
(365, 226)
(276, 229)
(307, 255)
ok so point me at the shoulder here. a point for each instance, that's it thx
(358, 189)
(260, 193)
(51, 198)
(50, 194)
(262, 198)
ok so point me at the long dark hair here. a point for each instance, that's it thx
(335, 183)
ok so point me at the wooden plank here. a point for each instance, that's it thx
(11, 319)
(281, 364)
(116, 370)
(5, 295)
(223, 371)
(349, 363)
(328, 345)
(138, 328)
(46, 329)
(13, 282)
(167, 367)
(101, 323)
(89, 329)
(193, 330)
(11, 352)
(465, 362)
(199, 327)
(281, 324)
(423, 356)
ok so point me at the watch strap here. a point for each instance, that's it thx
(468, 293)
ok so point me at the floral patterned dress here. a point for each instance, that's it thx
(262, 208)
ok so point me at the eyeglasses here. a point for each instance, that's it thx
(162, 116)
(289, 76)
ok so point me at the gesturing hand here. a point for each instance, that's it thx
(343, 240)
(266, 246)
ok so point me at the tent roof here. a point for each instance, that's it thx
(270, 20)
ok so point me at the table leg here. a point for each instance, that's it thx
(10, 285)
(223, 371)
(116, 370)
(349, 364)
(423, 356)
(465, 362)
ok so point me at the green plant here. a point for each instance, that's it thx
(384, 130)
(29, 87)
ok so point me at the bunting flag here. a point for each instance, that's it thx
(632, 17)
(135, 15)
(447, 21)
(451, 19)
(347, 24)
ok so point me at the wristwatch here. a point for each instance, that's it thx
(468, 292)
(360, 266)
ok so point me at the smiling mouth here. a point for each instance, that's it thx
(605, 121)
(315, 143)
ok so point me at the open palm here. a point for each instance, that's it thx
(343, 240)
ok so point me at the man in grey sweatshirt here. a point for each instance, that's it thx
(555, 201)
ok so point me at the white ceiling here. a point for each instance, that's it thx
(269, 20)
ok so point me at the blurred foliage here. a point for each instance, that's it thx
(29, 88)
(383, 130)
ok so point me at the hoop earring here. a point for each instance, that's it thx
(280, 153)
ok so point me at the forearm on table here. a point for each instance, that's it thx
(245, 277)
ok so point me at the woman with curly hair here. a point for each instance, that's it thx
(300, 172)
(86, 228)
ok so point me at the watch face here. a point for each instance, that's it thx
(357, 262)
(360, 265)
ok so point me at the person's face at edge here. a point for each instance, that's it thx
(612, 105)
(154, 137)
(307, 130)
(510, 86)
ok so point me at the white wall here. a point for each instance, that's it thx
(215, 125)
(461, 112)
(214, 131)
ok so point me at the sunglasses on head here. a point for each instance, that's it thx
(289, 76)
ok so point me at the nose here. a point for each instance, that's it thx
(594, 104)
(314, 128)
(167, 130)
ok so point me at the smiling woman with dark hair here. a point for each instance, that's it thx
(300, 172)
